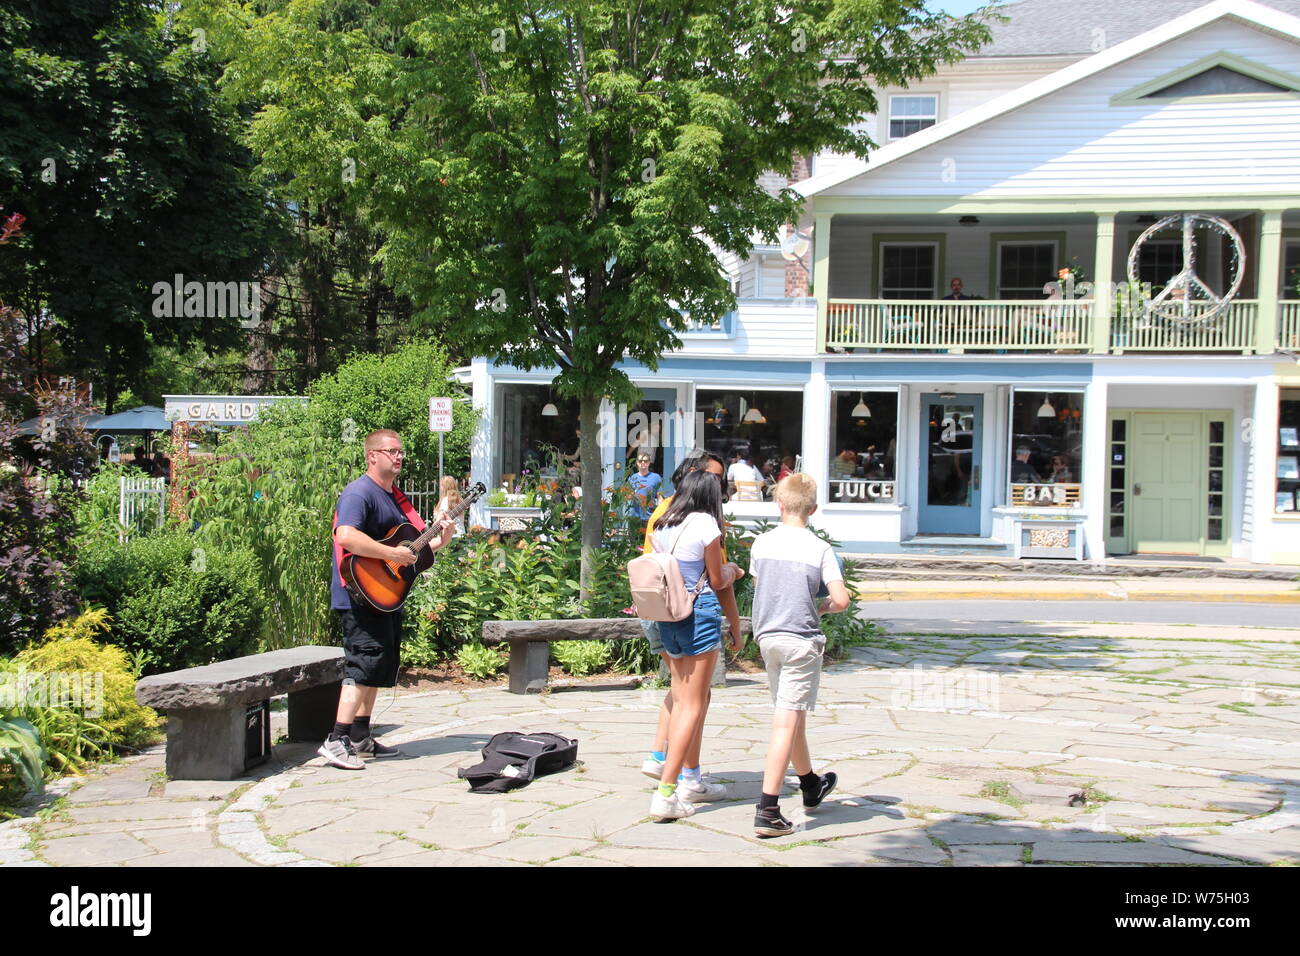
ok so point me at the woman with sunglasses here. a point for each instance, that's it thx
(691, 529)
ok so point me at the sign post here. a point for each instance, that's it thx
(440, 422)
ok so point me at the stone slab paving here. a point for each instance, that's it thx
(953, 750)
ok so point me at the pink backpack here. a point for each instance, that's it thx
(658, 590)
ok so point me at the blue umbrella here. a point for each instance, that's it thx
(146, 418)
(33, 425)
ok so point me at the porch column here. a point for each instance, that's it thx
(816, 431)
(1259, 440)
(821, 273)
(481, 465)
(1103, 296)
(1270, 280)
(1096, 471)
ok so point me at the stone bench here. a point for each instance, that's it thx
(530, 651)
(208, 718)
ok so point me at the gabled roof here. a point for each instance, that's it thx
(1076, 27)
(1244, 11)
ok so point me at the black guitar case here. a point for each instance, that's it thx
(513, 759)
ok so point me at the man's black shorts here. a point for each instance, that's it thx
(372, 645)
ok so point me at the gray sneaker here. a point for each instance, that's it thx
(340, 753)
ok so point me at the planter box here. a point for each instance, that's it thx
(511, 518)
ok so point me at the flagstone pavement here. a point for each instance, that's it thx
(957, 750)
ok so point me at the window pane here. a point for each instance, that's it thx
(1216, 505)
(1215, 529)
(863, 446)
(1118, 429)
(1159, 260)
(763, 428)
(1117, 501)
(901, 128)
(949, 453)
(1216, 456)
(1024, 268)
(907, 272)
(1216, 432)
(912, 106)
(1288, 452)
(1117, 478)
(1047, 449)
(1117, 526)
(529, 439)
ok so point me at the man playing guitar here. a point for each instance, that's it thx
(367, 509)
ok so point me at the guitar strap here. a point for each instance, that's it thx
(408, 509)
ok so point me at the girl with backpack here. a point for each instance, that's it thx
(691, 529)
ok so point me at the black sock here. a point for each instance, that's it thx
(810, 781)
(768, 801)
(361, 727)
(340, 730)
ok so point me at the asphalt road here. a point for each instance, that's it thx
(1110, 612)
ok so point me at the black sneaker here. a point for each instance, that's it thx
(825, 784)
(370, 747)
(768, 822)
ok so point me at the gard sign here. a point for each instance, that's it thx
(219, 409)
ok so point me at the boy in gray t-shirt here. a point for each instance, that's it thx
(791, 565)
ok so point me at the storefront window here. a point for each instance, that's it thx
(528, 432)
(1046, 449)
(864, 439)
(766, 428)
(1288, 452)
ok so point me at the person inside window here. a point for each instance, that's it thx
(844, 464)
(1060, 470)
(787, 467)
(1022, 472)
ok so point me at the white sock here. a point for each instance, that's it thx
(691, 775)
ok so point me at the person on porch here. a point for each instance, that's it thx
(955, 285)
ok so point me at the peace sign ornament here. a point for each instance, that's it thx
(1186, 298)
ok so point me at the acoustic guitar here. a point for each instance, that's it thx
(384, 585)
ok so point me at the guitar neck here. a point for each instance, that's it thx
(454, 512)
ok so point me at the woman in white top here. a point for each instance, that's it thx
(691, 529)
(449, 497)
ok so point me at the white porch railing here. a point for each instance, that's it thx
(140, 505)
(938, 325)
(1233, 331)
(1288, 325)
(1041, 325)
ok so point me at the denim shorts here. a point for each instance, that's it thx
(697, 634)
(651, 631)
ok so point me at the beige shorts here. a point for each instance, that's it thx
(794, 669)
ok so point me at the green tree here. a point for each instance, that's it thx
(118, 149)
(555, 179)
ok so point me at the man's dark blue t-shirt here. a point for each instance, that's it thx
(368, 508)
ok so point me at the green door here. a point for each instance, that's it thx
(1166, 478)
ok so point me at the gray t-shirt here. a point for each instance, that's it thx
(790, 565)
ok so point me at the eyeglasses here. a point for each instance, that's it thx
(392, 452)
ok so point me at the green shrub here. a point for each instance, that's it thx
(479, 662)
(581, 658)
(173, 603)
(69, 649)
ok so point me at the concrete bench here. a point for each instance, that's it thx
(530, 651)
(213, 733)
